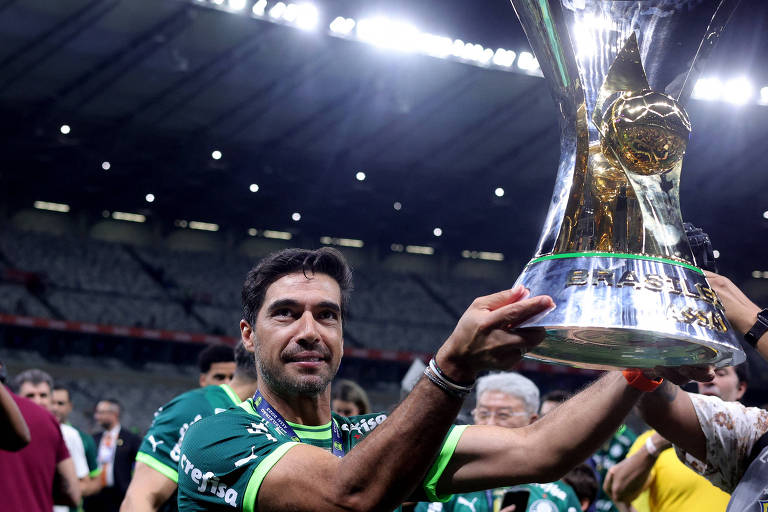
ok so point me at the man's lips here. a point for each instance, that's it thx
(306, 360)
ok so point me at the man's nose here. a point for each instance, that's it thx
(308, 328)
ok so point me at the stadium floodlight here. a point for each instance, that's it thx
(765, 214)
(237, 5)
(708, 89)
(397, 247)
(130, 217)
(203, 226)
(738, 91)
(253, 231)
(437, 232)
(360, 176)
(295, 216)
(420, 249)
(259, 8)
(765, 274)
(504, 58)
(486, 56)
(343, 242)
(277, 235)
(716, 253)
(397, 206)
(307, 16)
(150, 198)
(757, 274)
(434, 45)
(277, 10)
(254, 187)
(106, 165)
(343, 26)
(387, 33)
(51, 207)
(499, 192)
(527, 62)
(458, 48)
(65, 129)
(763, 96)
(217, 2)
(216, 154)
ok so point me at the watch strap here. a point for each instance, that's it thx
(757, 330)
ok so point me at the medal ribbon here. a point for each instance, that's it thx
(269, 413)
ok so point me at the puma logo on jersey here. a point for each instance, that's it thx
(469, 504)
(155, 443)
(217, 410)
(208, 480)
(249, 458)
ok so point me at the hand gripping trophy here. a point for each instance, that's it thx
(613, 253)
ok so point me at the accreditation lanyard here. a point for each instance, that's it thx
(269, 413)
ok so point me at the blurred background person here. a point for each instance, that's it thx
(552, 399)
(116, 455)
(14, 432)
(217, 365)
(349, 399)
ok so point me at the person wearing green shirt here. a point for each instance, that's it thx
(285, 450)
(154, 479)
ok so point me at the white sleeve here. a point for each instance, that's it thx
(731, 430)
(76, 450)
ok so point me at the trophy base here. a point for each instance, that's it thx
(616, 311)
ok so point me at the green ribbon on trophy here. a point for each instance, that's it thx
(613, 253)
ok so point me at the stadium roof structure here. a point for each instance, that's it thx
(194, 101)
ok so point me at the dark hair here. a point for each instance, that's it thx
(35, 376)
(742, 372)
(558, 395)
(349, 391)
(583, 480)
(325, 260)
(245, 362)
(62, 387)
(114, 401)
(214, 354)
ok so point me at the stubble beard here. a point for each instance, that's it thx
(288, 385)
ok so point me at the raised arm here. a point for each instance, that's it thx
(14, 433)
(384, 469)
(627, 479)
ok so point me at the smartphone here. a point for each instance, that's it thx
(517, 498)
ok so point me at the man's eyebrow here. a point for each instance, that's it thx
(330, 305)
(290, 303)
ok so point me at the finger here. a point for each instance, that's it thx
(502, 298)
(698, 373)
(512, 315)
(607, 483)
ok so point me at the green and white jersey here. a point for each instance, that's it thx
(161, 447)
(611, 453)
(551, 497)
(90, 452)
(224, 458)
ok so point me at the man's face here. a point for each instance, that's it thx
(298, 334)
(62, 407)
(725, 385)
(501, 409)
(106, 415)
(39, 393)
(218, 373)
(547, 406)
(344, 408)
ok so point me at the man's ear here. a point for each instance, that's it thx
(247, 335)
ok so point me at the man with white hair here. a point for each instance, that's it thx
(509, 400)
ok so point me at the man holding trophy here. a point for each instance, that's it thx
(626, 294)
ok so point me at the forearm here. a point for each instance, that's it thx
(670, 412)
(627, 479)
(89, 486)
(148, 490)
(14, 433)
(66, 488)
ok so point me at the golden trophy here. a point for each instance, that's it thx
(613, 253)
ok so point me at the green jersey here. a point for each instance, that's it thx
(551, 497)
(224, 458)
(611, 453)
(161, 447)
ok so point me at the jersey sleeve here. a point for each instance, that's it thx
(441, 462)
(60, 446)
(76, 450)
(224, 460)
(160, 449)
(731, 430)
(89, 445)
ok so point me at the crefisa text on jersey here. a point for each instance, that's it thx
(208, 480)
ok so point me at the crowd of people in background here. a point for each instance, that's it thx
(48, 464)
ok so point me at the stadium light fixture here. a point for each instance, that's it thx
(253, 231)
(397, 247)
(504, 58)
(764, 96)
(738, 91)
(130, 217)
(757, 274)
(360, 176)
(307, 16)
(716, 253)
(527, 62)
(277, 10)
(237, 5)
(51, 207)
(65, 129)
(342, 26)
(765, 274)
(277, 235)
(499, 192)
(106, 165)
(216, 154)
(181, 223)
(203, 226)
(397, 206)
(482, 255)
(708, 89)
(386, 33)
(437, 232)
(420, 249)
(765, 214)
(259, 8)
(217, 2)
(105, 214)
(295, 216)
(343, 242)
(150, 198)
(254, 187)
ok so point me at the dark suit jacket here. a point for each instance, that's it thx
(109, 498)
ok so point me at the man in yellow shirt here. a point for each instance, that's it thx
(653, 479)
